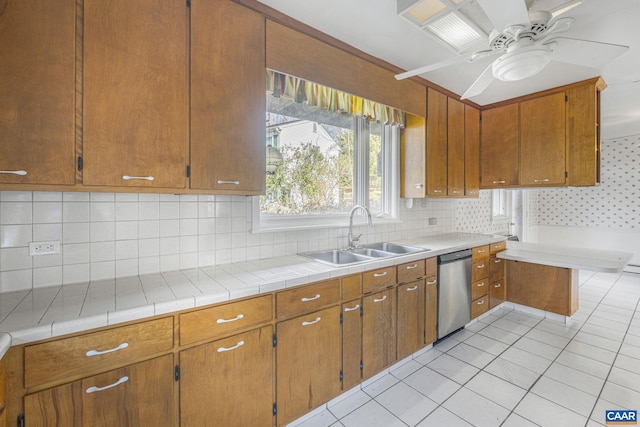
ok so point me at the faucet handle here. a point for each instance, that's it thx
(355, 241)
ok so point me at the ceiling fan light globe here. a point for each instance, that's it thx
(521, 64)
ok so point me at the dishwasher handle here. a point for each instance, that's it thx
(454, 256)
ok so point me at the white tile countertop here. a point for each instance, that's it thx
(605, 261)
(40, 313)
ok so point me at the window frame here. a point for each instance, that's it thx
(501, 206)
(390, 189)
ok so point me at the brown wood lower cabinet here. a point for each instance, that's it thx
(308, 362)
(378, 332)
(431, 310)
(411, 313)
(351, 344)
(228, 382)
(136, 395)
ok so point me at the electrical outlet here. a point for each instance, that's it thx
(44, 248)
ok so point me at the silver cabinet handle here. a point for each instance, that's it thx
(455, 192)
(480, 302)
(304, 299)
(384, 273)
(497, 285)
(433, 282)
(20, 172)
(499, 182)
(111, 350)
(481, 251)
(146, 178)
(541, 180)
(222, 181)
(380, 299)
(238, 317)
(498, 261)
(411, 267)
(223, 349)
(117, 383)
(481, 284)
(437, 191)
(347, 309)
(480, 266)
(419, 186)
(413, 288)
(312, 322)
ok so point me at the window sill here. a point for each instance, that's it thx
(301, 224)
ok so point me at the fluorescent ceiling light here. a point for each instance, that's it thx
(566, 8)
(455, 31)
(424, 10)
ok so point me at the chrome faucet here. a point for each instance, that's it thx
(354, 241)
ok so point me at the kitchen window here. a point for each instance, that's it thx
(501, 205)
(330, 161)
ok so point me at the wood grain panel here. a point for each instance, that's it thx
(431, 310)
(375, 280)
(294, 53)
(479, 253)
(479, 306)
(479, 270)
(135, 93)
(455, 148)
(432, 266)
(497, 293)
(37, 89)
(583, 150)
(479, 288)
(378, 332)
(351, 344)
(307, 298)
(411, 271)
(413, 173)
(436, 144)
(471, 151)
(499, 149)
(351, 286)
(545, 287)
(496, 268)
(411, 318)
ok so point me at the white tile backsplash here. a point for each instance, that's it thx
(107, 235)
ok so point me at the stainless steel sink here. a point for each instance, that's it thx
(395, 248)
(370, 252)
(337, 257)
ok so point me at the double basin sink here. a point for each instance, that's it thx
(341, 257)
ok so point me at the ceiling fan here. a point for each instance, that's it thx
(526, 42)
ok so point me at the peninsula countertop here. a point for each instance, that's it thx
(40, 313)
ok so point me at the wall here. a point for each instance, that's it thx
(606, 216)
(474, 216)
(107, 235)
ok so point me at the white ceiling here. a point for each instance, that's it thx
(374, 27)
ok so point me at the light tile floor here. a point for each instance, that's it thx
(513, 369)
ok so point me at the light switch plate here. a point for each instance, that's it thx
(44, 248)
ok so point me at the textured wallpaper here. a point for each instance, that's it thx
(615, 203)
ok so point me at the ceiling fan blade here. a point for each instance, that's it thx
(559, 25)
(584, 52)
(503, 14)
(481, 83)
(446, 63)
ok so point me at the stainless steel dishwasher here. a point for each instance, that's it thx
(454, 291)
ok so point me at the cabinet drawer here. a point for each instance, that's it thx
(479, 306)
(378, 279)
(479, 288)
(432, 266)
(498, 247)
(497, 293)
(479, 270)
(220, 320)
(84, 355)
(496, 269)
(480, 252)
(307, 299)
(411, 271)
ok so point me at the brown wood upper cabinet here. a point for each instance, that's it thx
(551, 138)
(37, 89)
(440, 154)
(228, 89)
(135, 93)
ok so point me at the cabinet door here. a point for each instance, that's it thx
(583, 118)
(431, 310)
(228, 89)
(471, 151)
(499, 150)
(543, 140)
(308, 362)
(135, 93)
(411, 323)
(136, 395)
(37, 89)
(228, 382)
(351, 343)
(378, 332)
(436, 143)
(413, 168)
(455, 147)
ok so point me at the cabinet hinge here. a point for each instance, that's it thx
(188, 3)
(566, 98)
(341, 319)
(21, 420)
(341, 376)
(176, 373)
(361, 365)
(275, 340)
(188, 171)
(566, 174)
(80, 163)
(275, 409)
(361, 311)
